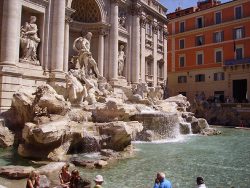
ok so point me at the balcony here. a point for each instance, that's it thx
(237, 62)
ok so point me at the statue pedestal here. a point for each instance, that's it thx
(119, 82)
(121, 88)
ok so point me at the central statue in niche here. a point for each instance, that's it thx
(82, 46)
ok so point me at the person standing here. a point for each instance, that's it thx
(200, 182)
(161, 181)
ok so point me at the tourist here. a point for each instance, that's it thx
(98, 181)
(200, 182)
(33, 180)
(161, 181)
(65, 176)
(77, 182)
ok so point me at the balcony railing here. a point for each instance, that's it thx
(237, 62)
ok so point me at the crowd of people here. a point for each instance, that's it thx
(74, 180)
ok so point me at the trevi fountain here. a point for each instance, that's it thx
(124, 129)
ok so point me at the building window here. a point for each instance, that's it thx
(218, 18)
(160, 72)
(239, 53)
(239, 33)
(199, 58)
(219, 76)
(149, 29)
(200, 40)
(182, 79)
(182, 43)
(182, 27)
(238, 12)
(149, 65)
(218, 56)
(199, 22)
(182, 61)
(160, 36)
(218, 37)
(200, 78)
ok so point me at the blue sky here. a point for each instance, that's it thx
(173, 4)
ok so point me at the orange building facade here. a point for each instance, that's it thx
(209, 50)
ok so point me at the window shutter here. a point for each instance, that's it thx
(215, 76)
(222, 36)
(223, 76)
(203, 40)
(234, 33)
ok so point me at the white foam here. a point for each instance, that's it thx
(181, 138)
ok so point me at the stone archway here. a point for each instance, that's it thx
(88, 11)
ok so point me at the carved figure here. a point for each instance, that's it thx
(29, 41)
(121, 60)
(122, 21)
(76, 92)
(155, 93)
(82, 46)
(141, 89)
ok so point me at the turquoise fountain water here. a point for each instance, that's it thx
(224, 162)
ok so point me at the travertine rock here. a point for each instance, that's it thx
(6, 136)
(15, 172)
(118, 135)
(113, 111)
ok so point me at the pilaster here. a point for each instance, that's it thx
(10, 32)
(155, 41)
(136, 12)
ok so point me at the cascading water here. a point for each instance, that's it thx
(157, 125)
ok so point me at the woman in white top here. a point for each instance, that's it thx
(200, 182)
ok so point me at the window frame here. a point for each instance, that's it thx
(184, 26)
(182, 81)
(183, 39)
(197, 54)
(240, 46)
(203, 24)
(203, 40)
(184, 57)
(222, 76)
(221, 36)
(215, 55)
(235, 12)
(215, 17)
(199, 76)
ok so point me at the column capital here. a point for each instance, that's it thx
(103, 32)
(155, 27)
(165, 33)
(136, 9)
(143, 21)
(115, 1)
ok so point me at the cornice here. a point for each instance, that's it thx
(212, 27)
(213, 9)
(43, 3)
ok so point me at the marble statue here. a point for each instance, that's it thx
(85, 59)
(141, 89)
(122, 21)
(121, 60)
(155, 93)
(29, 41)
(76, 92)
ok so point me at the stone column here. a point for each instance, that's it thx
(58, 26)
(10, 32)
(165, 34)
(113, 67)
(66, 44)
(143, 38)
(135, 43)
(101, 52)
(155, 41)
